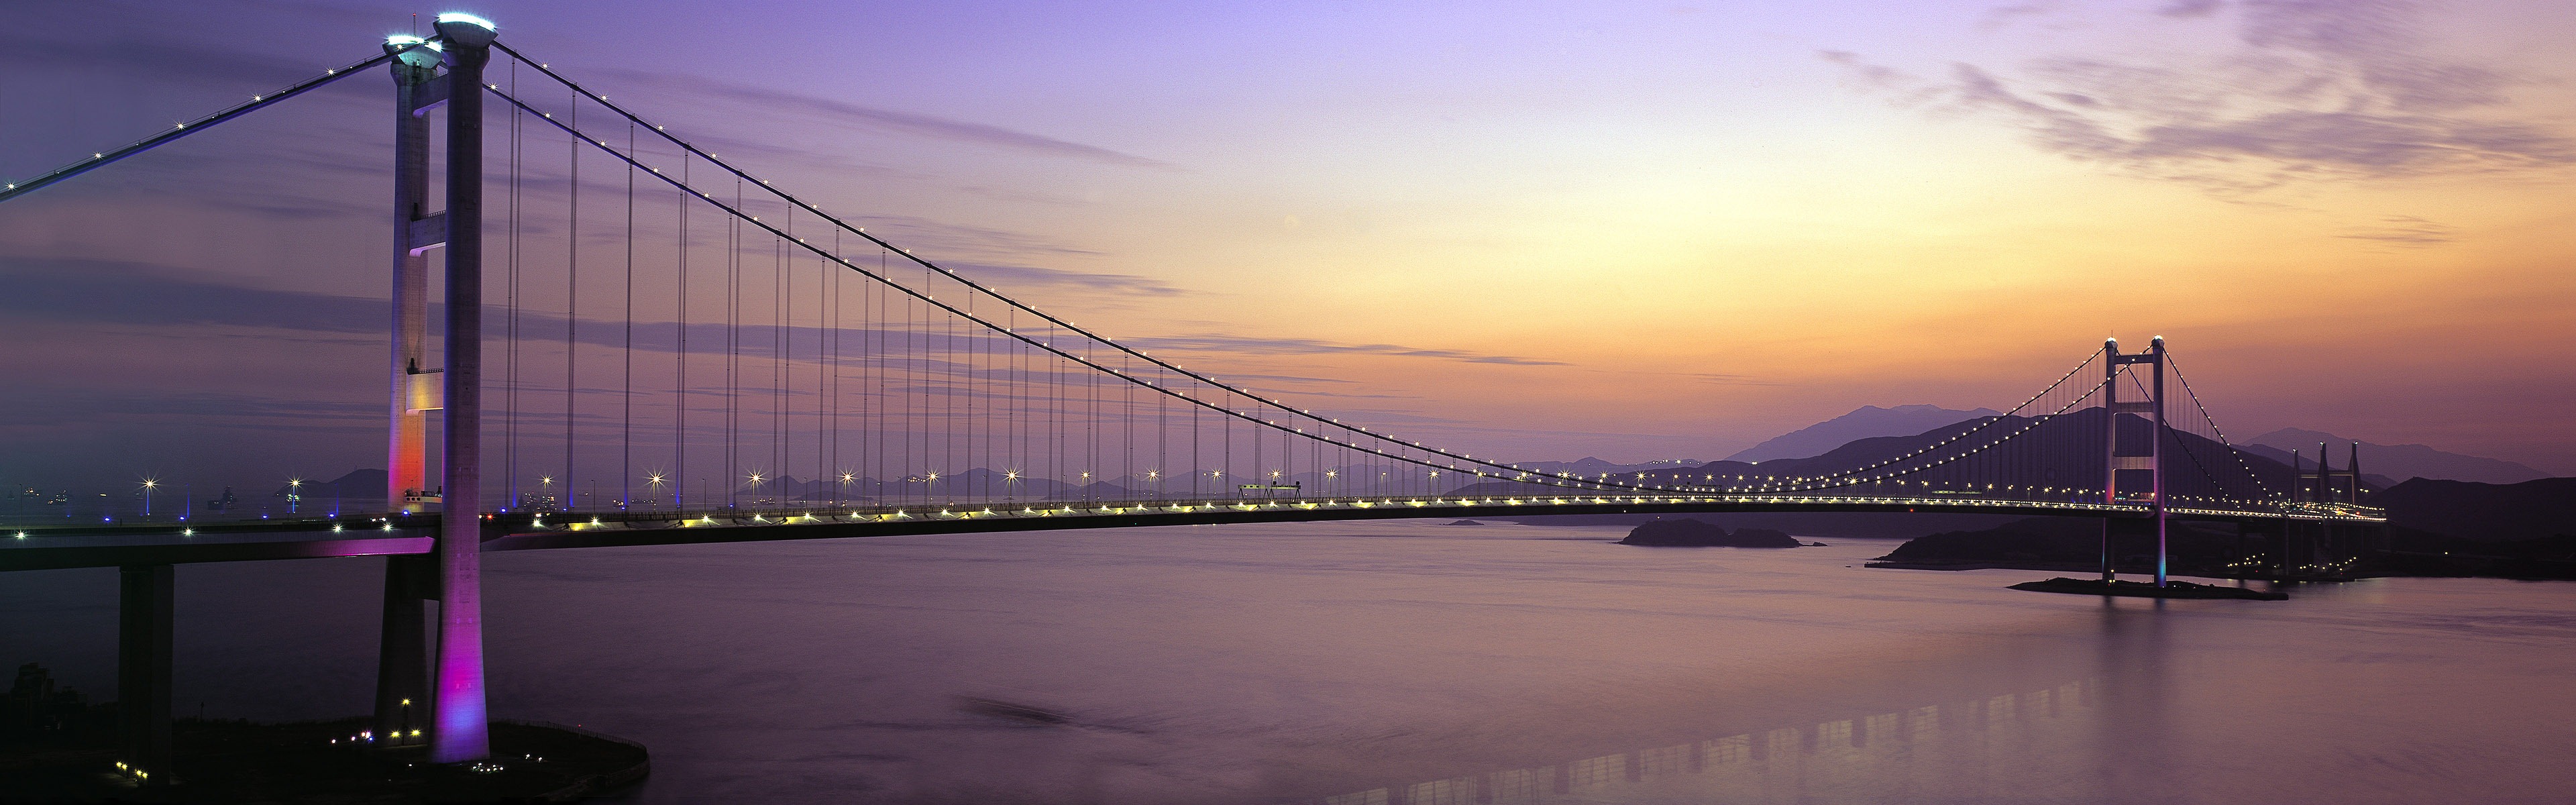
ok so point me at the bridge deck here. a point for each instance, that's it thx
(38, 548)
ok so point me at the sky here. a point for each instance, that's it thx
(1533, 231)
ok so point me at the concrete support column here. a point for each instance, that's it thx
(403, 696)
(462, 731)
(143, 670)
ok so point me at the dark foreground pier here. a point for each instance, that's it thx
(2140, 589)
(331, 762)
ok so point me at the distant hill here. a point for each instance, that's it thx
(357, 485)
(2398, 462)
(2061, 451)
(2483, 512)
(1868, 421)
(1594, 467)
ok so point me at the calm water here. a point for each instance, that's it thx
(1413, 662)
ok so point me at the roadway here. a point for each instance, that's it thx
(112, 545)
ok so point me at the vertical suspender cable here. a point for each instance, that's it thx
(1162, 432)
(873, 343)
(510, 391)
(778, 365)
(833, 279)
(572, 304)
(1127, 427)
(680, 359)
(733, 352)
(827, 343)
(626, 426)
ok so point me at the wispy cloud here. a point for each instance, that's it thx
(2315, 90)
(920, 125)
(2001, 16)
(41, 407)
(2404, 231)
(1007, 277)
(112, 292)
(2185, 9)
(1729, 380)
(964, 242)
(161, 59)
(98, 293)
(1311, 346)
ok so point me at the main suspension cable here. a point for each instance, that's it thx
(102, 159)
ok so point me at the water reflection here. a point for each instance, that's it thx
(2017, 741)
(1415, 664)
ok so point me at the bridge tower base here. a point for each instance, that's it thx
(143, 669)
(403, 696)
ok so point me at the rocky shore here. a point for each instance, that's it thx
(1687, 533)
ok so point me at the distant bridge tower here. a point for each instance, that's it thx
(2116, 460)
(2327, 489)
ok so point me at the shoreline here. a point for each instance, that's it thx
(327, 762)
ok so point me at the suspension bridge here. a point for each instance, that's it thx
(675, 340)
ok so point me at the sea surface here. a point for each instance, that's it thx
(1410, 662)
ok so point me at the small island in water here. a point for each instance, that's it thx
(1688, 533)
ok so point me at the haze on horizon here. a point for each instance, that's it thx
(1534, 231)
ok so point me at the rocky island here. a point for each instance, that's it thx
(1688, 533)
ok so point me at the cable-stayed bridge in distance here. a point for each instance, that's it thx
(746, 337)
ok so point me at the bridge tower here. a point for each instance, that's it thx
(2326, 488)
(402, 659)
(449, 686)
(2116, 460)
(462, 730)
(417, 89)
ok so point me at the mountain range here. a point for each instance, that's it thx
(2397, 462)
(2482, 512)
(1595, 467)
(1868, 421)
(2383, 465)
